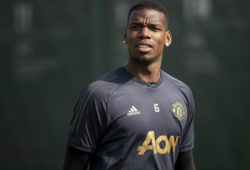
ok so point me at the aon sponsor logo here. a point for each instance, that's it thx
(170, 142)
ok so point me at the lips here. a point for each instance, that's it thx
(143, 47)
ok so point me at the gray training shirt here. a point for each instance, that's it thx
(129, 124)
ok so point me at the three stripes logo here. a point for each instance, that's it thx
(133, 111)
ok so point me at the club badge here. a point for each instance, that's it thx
(178, 110)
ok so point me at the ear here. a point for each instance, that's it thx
(124, 37)
(168, 38)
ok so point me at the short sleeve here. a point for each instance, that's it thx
(88, 122)
(187, 142)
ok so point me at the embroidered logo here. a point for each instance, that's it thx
(133, 111)
(178, 110)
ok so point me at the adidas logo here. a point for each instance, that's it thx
(133, 111)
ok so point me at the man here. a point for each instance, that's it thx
(135, 117)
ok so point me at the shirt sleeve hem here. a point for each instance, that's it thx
(82, 148)
(186, 149)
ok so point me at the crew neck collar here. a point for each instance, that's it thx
(141, 82)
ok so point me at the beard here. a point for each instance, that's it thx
(143, 60)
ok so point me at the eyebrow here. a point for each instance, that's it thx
(139, 23)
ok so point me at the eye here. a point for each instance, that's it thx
(134, 26)
(154, 28)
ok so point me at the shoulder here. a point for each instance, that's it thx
(178, 85)
(175, 82)
(103, 86)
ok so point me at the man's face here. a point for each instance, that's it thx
(146, 35)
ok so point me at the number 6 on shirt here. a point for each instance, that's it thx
(157, 108)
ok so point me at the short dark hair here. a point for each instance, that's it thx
(149, 4)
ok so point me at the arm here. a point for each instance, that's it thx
(185, 161)
(76, 159)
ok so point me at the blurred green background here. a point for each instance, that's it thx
(51, 49)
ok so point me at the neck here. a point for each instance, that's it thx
(147, 73)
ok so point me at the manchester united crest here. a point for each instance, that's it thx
(178, 110)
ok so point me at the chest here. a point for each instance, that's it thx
(140, 110)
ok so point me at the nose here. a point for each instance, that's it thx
(144, 33)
